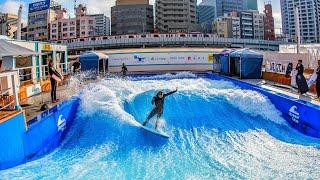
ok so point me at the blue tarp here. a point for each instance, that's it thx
(90, 61)
(223, 58)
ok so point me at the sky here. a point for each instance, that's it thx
(103, 6)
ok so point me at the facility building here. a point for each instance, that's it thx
(82, 25)
(309, 15)
(40, 15)
(227, 26)
(176, 16)
(250, 4)
(8, 24)
(102, 27)
(226, 6)
(251, 24)
(268, 20)
(131, 17)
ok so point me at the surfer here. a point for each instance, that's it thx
(158, 103)
(318, 82)
(53, 72)
(124, 70)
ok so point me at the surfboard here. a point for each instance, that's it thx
(293, 78)
(302, 84)
(312, 79)
(58, 79)
(155, 132)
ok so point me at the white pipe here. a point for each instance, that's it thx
(297, 24)
(19, 23)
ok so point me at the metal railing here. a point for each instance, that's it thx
(9, 95)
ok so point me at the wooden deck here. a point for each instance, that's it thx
(6, 115)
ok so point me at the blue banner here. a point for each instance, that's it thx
(39, 6)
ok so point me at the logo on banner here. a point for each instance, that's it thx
(293, 113)
(139, 58)
(61, 123)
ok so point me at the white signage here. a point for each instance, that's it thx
(294, 114)
(61, 124)
(33, 90)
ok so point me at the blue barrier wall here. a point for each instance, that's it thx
(18, 145)
(302, 115)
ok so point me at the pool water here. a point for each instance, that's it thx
(217, 131)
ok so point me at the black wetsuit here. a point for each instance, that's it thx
(159, 103)
(76, 67)
(124, 71)
(318, 82)
(52, 71)
(300, 69)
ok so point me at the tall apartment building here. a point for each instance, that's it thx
(250, 5)
(8, 24)
(40, 15)
(102, 27)
(82, 25)
(309, 15)
(227, 26)
(226, 6)
(268, 20)
(132, 16)
(176, 15)
(206, 16)
(251, 24)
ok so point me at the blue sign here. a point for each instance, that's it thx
(39, 6)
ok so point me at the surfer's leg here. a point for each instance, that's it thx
(151, 114)
(158, 120)
(53, 86)
(318, 89)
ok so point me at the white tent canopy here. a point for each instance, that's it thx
(9, 49)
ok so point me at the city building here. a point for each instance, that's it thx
(309, 15)
(82, 25)
(251, 24)
(176, 16)
(102, 27)
(40, 15)
(250, 5)
(227, 26)
(226, 6)
(206, 15)
(269, 33)
(8, 24)
(131, 17)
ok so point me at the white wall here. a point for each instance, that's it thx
(163, 61)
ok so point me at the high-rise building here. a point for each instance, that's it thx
(251, 24)
(102, 24)
(8, 24)
(250, 5)
(132, 16)
(82, 25)
(268, 20)
(309, 15)
(40, 15)
(176, 15)
(226, 6)
(205, 15)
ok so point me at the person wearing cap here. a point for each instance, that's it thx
(158, 103)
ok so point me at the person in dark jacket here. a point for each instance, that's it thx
(124, 70)
(158, 103)
(53, 71)
(300, 79)
(318, 82)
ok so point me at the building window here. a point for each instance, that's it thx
(90, 21)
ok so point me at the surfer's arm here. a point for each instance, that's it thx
(153, 100)
(168, 94)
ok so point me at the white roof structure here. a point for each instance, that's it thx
(9, 49)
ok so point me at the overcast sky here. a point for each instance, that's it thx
(103, 6)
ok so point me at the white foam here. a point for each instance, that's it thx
(108, 96)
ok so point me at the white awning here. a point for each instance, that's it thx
(9, 49)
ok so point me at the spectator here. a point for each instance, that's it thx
(76, 66)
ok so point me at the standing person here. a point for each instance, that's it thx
(318, 82)
(301, 80)
(54, 74)
(158, 103)
(124, 70)
(76, 66)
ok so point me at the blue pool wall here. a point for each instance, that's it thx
(302, 115)
(19, 144)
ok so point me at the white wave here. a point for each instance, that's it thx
(167, 76)
(108, 96)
